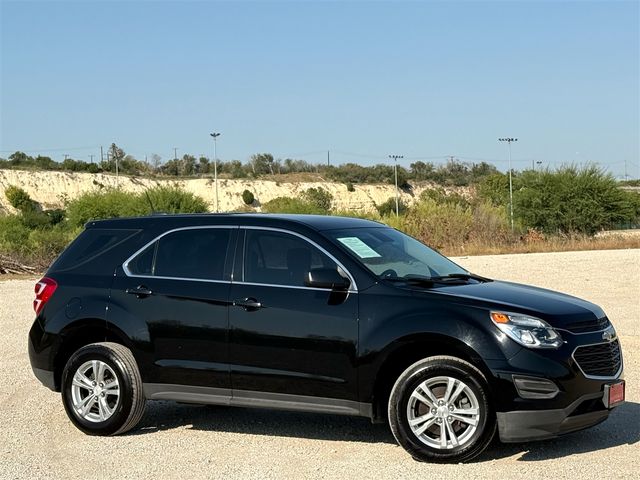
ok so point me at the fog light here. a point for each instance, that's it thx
(535, 388)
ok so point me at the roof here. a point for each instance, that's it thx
(316, 222)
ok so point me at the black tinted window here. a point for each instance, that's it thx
(193, 253)
(142, 264)
(280, 259)
(89, 244)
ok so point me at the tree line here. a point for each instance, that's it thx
(452, 173)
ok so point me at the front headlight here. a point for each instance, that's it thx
(527, 331)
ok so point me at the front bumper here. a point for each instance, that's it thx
(46, 377)
(528, 425)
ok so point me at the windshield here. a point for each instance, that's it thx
(389, 253)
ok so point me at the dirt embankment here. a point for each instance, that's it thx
(51, 189)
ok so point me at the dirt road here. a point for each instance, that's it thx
(181, 441)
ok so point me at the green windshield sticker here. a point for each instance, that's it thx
(358, 247)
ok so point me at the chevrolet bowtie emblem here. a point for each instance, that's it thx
(609, 335)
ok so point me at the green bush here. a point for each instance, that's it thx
(319, 198)
(389, 207)
(247, 197)
(108, 203)
(20, 199)
(350, 187)
(572, 200)
(111, 203)
(291, 205)
(171, 199)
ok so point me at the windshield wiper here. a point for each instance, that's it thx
(416, 280)
(464, 276)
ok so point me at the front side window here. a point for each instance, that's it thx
(389, 253)
(276, 258)
(191, 254)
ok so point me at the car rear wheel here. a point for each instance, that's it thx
(439, 410)
(102, 389)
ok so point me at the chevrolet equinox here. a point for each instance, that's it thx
(317, 314)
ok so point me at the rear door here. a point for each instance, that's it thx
(175, 292)
(288, 341)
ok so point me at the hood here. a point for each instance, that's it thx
(558, 309)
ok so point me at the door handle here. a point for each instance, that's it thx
(249, 304)
(140, 291)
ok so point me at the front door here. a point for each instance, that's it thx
(288, 341)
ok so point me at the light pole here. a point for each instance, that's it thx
(395, 173)
(509, 140)
(215, 136)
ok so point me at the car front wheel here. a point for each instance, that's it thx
(102, 389)
(439, 410)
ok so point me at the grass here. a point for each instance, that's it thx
(553, 244)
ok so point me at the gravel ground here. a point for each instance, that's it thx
(181, 441)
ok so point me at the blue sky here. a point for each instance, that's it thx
(422, 79)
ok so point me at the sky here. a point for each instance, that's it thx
(362, 80)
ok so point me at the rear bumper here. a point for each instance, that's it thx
(528, 425)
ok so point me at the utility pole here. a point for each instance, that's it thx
(538, 162)
(175, 153)
(509, 140)
(114, 155)
(66, 155)
(626, 177)
(101, 155)
(395, 172)
(215, 136)
(328, 161)
(91, 158)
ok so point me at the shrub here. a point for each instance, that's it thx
(290, 205)
(108, 203)
(111, 203)
(247, 197)
(350, 187)
(389, 207)
(319, 198)
(572, 200)
(171, 199)
(20, 199)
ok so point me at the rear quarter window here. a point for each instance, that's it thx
(89, 244)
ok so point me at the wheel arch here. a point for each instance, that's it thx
(407, 352)
(80, 333)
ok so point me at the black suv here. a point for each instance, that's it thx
(319, 314)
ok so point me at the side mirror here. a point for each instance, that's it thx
(326, 278)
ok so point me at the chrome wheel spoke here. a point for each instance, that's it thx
(79, 380)
(421, 419)
(457, 392)
(452, 435)
(86, 404)
(451, 383)
(473, 421)
(425, 388)
(443, 435)
(100, 374)
(103, 407)
(421, 398)
(425, 427)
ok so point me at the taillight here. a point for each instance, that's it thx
(44, 289)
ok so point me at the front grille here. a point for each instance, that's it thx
(601, 360)
(591, 325)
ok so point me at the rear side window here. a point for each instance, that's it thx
(197, 254)
(89, 244)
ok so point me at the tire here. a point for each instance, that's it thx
(114, 409)
(467, 434)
